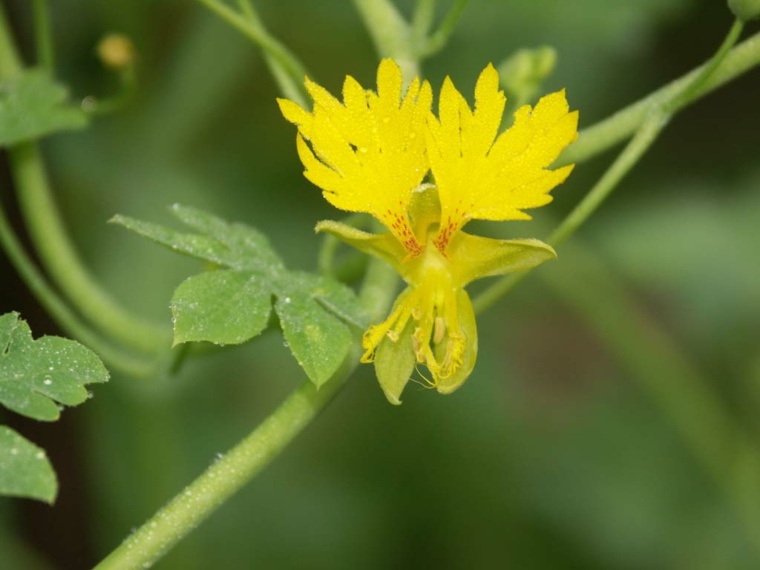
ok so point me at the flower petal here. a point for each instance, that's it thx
(368, 153)
(395, 362)
(479, 178)
(473, 257)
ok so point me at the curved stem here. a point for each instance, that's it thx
(61, 260)
(52, 241)
(63, 316)
(289, 68)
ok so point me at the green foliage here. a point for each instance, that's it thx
(233, 304)
(24, 468)
(34, 376)
(32, 105)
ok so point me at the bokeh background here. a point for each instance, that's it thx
(583, 438)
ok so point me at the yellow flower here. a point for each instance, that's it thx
(372, 153)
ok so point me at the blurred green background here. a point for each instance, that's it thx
(573, 443)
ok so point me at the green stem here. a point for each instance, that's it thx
(225, 477)
(635, 149)
(422, 21)
(289, 68)
(647, 131)
(52, 242)
(65, 318)
(438, 40)
(43, 35)
(692, 91)
(61, 260)
(290, 86)
(390, 33)
(615, 129)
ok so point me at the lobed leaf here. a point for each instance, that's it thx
(32, 105)
(223, 307)
(37, 375)
(25, 470)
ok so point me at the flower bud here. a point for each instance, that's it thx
(523, 72)
(745, 9)
(116, 51)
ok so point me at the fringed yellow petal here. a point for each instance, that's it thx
(478, 178)
(368, 153)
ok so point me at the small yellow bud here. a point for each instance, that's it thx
(116, 51)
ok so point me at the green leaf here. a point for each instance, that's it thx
(32, 105)
(34, 375)
(318, 340)
(232, 305)
(24, 468)
(223, 307)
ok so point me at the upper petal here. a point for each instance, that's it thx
(482, 178)
(367, 153)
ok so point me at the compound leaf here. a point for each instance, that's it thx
(25, 470)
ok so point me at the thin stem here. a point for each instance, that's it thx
(422, 21)
(633, 151)
(438, 40)
(291, 87)
(687, 95)
(390, 33)
(43, 35)
(63, 316)
(62, 261)
(243, 462)
(621, 125)
(289, 70)
(692, 85)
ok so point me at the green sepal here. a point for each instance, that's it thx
(477, 257)
(385, 245)
(395, 362)
(32, 105)
(25, 470)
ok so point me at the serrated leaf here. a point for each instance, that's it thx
(318, 340)
(32, 105)
(248, 246)
(25, 470)
(194, 245)
(223, 307)
(34, 375)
